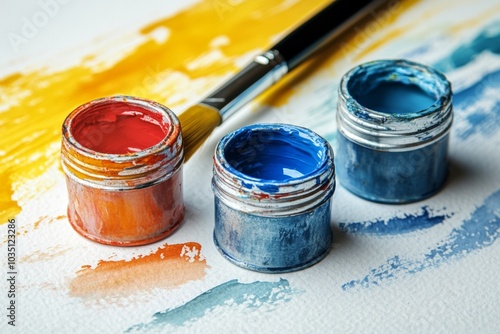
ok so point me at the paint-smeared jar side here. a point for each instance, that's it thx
(122, 157)
(393, 121)
(273, 185)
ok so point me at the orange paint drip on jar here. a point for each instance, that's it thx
(122, 157)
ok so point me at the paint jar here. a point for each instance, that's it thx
(122, 157)
(273, 185)
(393, 121)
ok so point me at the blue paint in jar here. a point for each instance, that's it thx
(393, 121)
(273, 185)
(395, 97)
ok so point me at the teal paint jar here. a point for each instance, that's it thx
(393, 121)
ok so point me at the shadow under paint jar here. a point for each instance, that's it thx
(273, 185)
(122, 157)
(393, 121)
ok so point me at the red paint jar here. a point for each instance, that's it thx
(123, 157)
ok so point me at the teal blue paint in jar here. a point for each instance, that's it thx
(273, 185)
(393, 123)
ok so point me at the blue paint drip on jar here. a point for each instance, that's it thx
(273, 185)
(393, 121)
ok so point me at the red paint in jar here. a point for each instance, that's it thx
(122, 157)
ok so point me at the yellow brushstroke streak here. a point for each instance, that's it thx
(38, 101)
(475, 21)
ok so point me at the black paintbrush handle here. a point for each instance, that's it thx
(292, 50)
(312, 34)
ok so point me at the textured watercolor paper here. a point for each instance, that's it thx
(430, 266)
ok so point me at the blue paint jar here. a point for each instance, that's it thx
(393, 121)
(273, 185)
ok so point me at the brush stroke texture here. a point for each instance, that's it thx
(478, 107)
(395, 225)
(479, 231)
(167, 267)
(229, 294)
(487, 40)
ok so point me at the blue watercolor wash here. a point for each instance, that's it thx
(395, 225)
(481, 230)
(229, 294)
(397, 154)
(487, 40)
(473, 114)
(282, 222)
(478, 105)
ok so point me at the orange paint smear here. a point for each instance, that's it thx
(173, 71)
(41, 221)
(168, 267)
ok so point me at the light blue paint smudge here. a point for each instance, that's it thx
(229, 294)
(479, 231)
(321, 117)
(487, 40)
(473, 115)
(394, 225)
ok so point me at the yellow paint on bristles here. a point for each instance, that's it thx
(197, 124)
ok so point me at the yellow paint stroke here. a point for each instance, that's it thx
(175, 70)
(475, 21)
(168, 267)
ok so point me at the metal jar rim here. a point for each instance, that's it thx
(395, 132)
(123, 171)
(274, 197)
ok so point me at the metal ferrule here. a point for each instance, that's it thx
(260, 74)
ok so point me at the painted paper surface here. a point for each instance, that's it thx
(426, 266)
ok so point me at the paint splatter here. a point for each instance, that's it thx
(395, 225)
(487, 40)
(47, 254)
(229, 294)
(168, 267)
(479, 231)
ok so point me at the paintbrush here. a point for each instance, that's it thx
(200, 120)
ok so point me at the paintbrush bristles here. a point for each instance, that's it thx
(197, 124)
